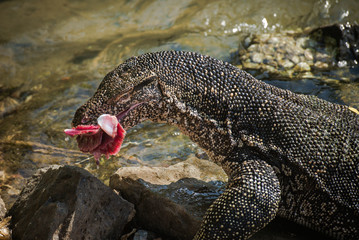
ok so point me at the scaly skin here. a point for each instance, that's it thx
(286, 154)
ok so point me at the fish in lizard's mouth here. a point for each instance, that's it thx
(104, 138)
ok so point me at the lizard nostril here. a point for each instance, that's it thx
(85, 120)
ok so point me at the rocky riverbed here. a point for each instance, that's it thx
(66, 202)
(329, 53)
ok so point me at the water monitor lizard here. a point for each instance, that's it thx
(286, 154)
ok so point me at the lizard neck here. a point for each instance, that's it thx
(206, 133)
(201, 95)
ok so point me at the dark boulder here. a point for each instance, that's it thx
(67, 202)
(155, 212)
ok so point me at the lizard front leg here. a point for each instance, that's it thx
(249, 202)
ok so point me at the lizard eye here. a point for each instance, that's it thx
(123, 96)
(145, 83)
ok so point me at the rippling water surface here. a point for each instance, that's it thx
(53, 55)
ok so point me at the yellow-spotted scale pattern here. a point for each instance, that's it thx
(286, 154)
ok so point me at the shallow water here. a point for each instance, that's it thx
(55, 53)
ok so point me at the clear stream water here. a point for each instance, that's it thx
(53, 55)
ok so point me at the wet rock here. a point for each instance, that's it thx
(287, 64)
(194, 183)
(141, 235)
(321, 65)
(329, 53)
(8, 105)
(257, 57)
(302, 67)
(150, 187)
(154, 212)
(192, 168)
(325, 52)
(66, 202)
(12, 98)
(343, 38)
(288, 54)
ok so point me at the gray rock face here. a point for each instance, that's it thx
(157, 213)
(66, 202)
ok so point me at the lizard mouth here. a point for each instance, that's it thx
(104, 138)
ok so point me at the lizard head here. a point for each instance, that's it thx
(130, 94)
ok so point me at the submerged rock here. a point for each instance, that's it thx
(66, 202)
(303, 53)
(288, 55)
(329, 53)
(12, 98)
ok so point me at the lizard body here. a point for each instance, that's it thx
(285, 154)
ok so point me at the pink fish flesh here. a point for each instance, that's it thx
(105, 138)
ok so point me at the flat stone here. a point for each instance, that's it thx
(287, 64)
(191, 168)
(67, 202)
(274, 40)
(302, 67)
(257, 57)
(321, 65)
(295, 59)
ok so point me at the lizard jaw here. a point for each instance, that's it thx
(122, 114)
(104, 138)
